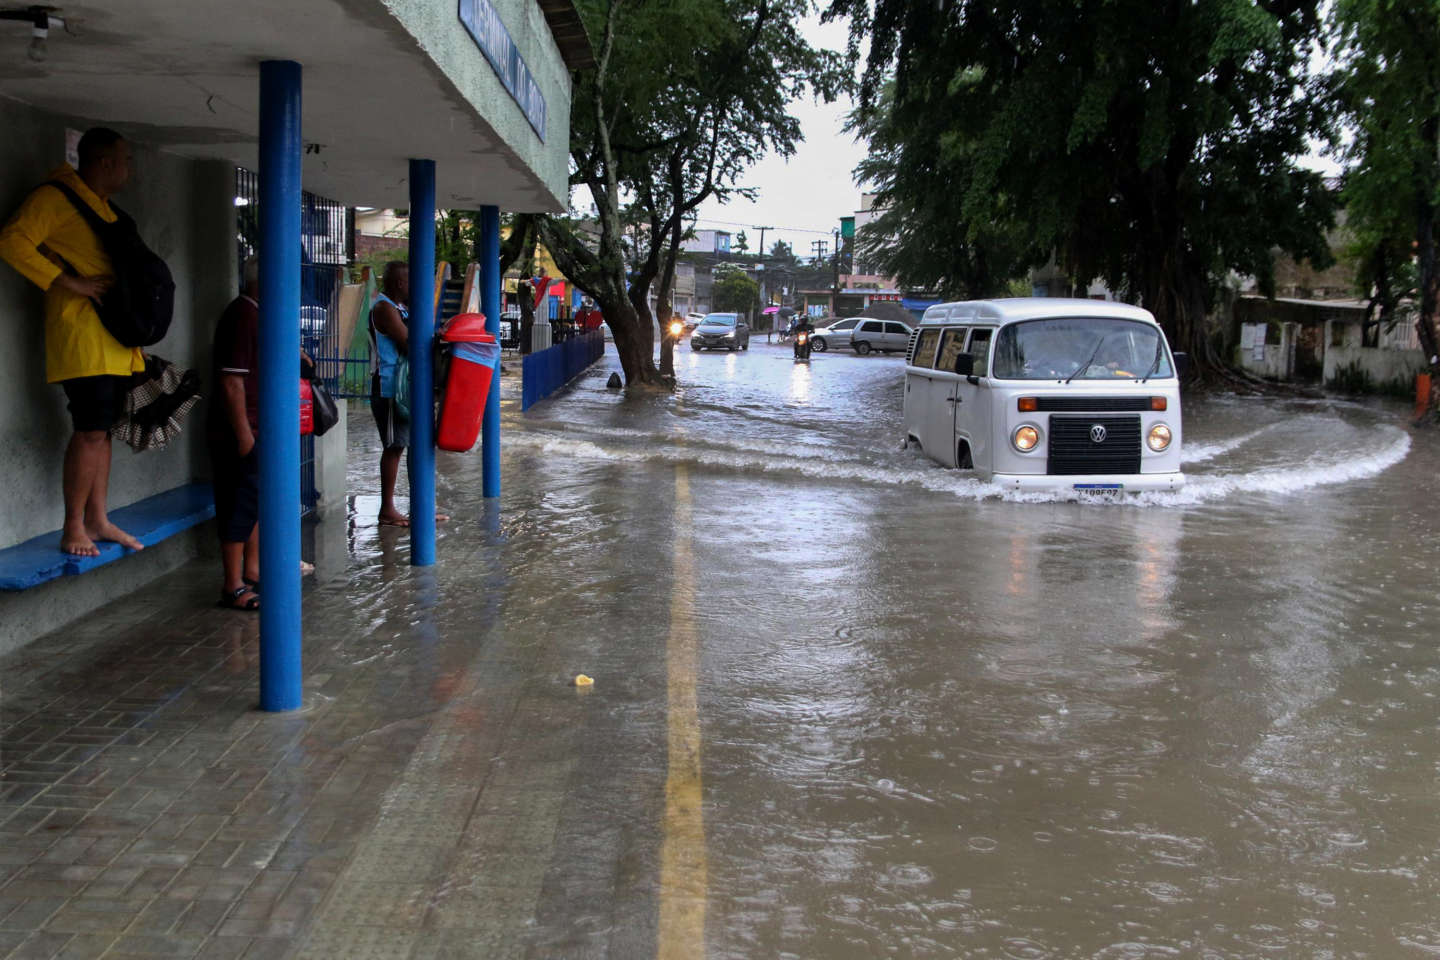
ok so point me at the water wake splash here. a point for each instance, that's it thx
(828, 464)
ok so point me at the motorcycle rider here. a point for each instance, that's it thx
(802, 331)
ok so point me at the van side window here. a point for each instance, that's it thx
(980, 348)
(925, 349)
(950, 348)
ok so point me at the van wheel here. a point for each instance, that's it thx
(963, 458)
(862, 347)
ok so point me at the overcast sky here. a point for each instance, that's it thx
(803, 197)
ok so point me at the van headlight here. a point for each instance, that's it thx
(1025, 438)
(1159, 438)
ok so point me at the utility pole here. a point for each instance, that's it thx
(762, 238)
(835, 289)
(819, 246)
(764, 300)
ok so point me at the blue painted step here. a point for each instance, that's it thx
(150, 521)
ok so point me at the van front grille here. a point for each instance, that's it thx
(1073, 450)
(1098, 404)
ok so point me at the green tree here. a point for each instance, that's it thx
(666, 120)
(742, 243)
(929, 240)
(1388, 81)
(1150, 143)
(734, 291)
(780, 250)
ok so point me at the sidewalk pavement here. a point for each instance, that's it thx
(444, 792)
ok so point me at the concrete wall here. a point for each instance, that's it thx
(185, 210)
(1394, 362)
(1385, 367)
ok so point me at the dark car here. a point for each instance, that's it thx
(721, 331)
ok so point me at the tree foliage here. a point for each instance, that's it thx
(1149, 143)
(734, 291)
(667, 119)
(927, 239)
(1388, 81)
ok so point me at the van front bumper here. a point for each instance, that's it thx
(1100, 484)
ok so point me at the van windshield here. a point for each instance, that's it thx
(1085, 348)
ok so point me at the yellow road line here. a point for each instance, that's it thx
(683, 866)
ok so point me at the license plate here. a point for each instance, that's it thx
(1099, 489)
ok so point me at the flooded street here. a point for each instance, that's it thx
(928, 720)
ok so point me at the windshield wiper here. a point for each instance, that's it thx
(1088, 360)
(1155, 365)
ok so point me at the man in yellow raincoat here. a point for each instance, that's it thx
(80, 354)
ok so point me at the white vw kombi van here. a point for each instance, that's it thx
(1047, 394)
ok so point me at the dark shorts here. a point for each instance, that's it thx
(96, 403)
(394, 428)
(237, 488)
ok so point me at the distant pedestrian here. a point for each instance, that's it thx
(81, 355)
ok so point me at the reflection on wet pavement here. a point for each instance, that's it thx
(847, 704)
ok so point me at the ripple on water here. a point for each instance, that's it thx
(1132, 950)
(909, 875)
(1024, 948)
(1422, 936)
(1164, 892)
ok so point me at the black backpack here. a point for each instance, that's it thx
(139, 305)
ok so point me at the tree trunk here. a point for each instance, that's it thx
(525, 293)
(664, 311)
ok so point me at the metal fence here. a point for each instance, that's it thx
(546, 371)
(326, 249)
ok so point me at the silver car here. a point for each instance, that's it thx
(835, 335)
(721, 331)
(887, 336)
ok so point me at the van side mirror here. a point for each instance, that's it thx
(1182, 365)
(965, 364)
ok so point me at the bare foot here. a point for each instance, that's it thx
(78, 545)
(306, 568)
(394, 519)
(441, 517)
(108, 531)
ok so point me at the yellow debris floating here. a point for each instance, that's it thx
(583, 681)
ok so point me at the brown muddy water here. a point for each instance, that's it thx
(933, 721)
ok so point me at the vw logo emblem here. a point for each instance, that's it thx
(1097, 433)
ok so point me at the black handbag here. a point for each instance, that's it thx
(323, 409)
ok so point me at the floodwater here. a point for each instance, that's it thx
(928, 720)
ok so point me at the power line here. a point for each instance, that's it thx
(739, 223)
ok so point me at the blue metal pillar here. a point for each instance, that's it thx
(422, 363)
(279, 435)
(490, 306)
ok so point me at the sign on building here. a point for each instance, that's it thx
(482, 21)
